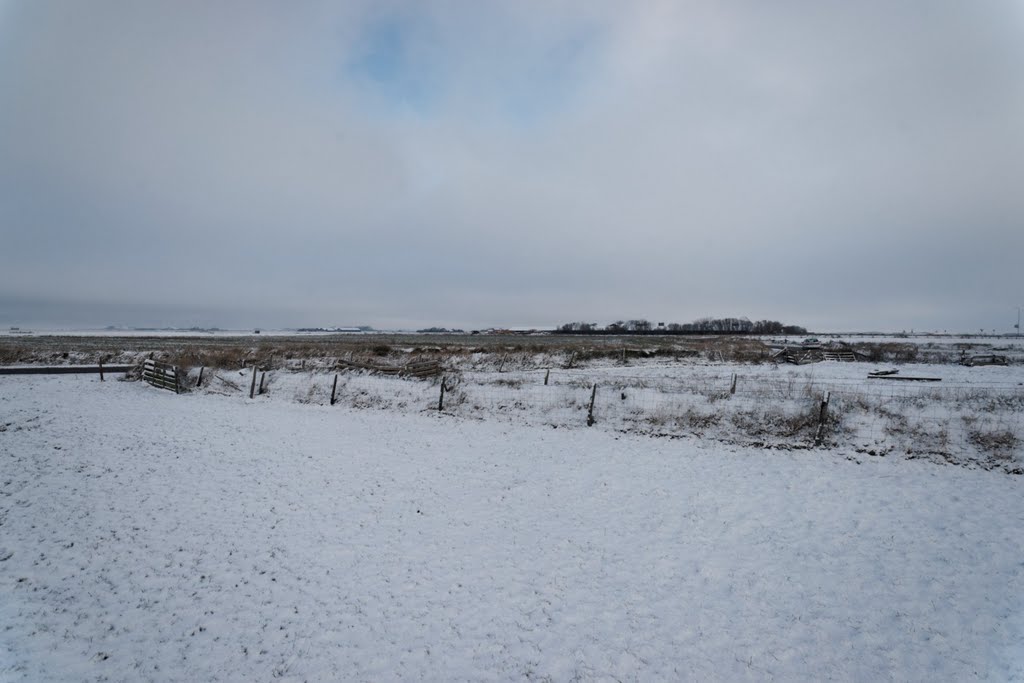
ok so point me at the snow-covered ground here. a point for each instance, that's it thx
(149, 536)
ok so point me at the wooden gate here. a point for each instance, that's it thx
(161, 375)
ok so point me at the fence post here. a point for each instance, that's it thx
(252, 387)
(177, 385)
(334, 388)
(440, 401)
(101, 371)
(590, 413)
(200, 382)
(732, 389)
(546, 375)
(263, 376)
(501, 366)
(822, 418)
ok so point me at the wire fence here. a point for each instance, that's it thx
(962, 422)
(955, 422)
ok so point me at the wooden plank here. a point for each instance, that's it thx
(63, 369)
(906, 378)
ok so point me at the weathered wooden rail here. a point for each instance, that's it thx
(64, 369)
(905, 378)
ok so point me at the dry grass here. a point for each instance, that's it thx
(999, 442)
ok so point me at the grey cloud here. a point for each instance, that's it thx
(837, 165)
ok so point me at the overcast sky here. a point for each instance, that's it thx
(840, 165)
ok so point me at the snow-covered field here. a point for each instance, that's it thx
(149, 536)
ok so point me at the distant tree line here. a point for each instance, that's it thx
(702, 326)
(440, 330)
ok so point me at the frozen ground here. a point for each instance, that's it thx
(148, 536)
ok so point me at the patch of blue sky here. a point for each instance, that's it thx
(402, 69)
(386, 66)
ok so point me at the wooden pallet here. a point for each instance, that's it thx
(415, 369)
(842, 355)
